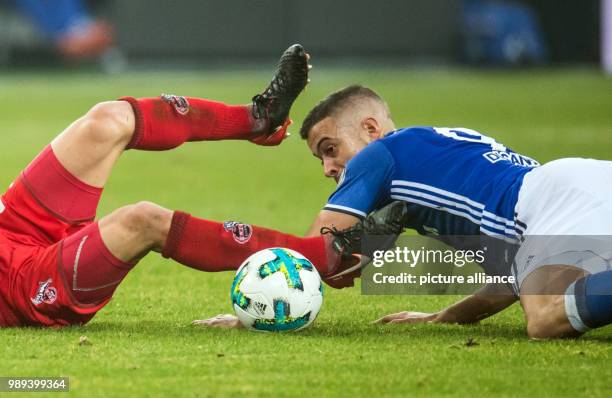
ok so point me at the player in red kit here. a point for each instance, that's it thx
(58, 266)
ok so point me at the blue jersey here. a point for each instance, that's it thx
(455, 181)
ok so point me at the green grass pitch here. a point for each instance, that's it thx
(142, 343)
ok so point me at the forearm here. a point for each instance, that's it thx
(331, 219)
(488, 301)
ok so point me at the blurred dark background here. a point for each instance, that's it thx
(430, 31)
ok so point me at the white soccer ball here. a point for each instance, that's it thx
(277, 290)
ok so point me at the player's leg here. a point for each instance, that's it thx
(61, 188)
(169, 121)
(97, 258)
(68, 176)
(544, 302)
(89, 148)
(565, 204)
(588, 301)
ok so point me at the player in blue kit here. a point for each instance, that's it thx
(458, 182)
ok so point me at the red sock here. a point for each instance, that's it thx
(169, 121)
(212, 246)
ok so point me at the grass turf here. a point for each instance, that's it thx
(142, 342)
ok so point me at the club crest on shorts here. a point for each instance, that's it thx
(180, 103)
(45, 293)
(241, 232)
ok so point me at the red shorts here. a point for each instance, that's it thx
(45, 205)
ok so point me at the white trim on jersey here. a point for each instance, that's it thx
(487, 223)
(496, 218)
(437, 199)
(486, 226)
(344, 208)
(484, 217)
(437, 207)
(439, 191)
(483, 228)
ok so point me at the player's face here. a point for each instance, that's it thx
(335, 143)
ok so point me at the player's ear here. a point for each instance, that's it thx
(372, 127)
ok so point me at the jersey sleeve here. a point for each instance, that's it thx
(365, 182)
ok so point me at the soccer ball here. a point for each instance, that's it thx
(277, 290)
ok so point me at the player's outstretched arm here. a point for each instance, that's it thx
(488, 301)
(331, 219)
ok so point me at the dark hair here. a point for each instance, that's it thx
(334, 102)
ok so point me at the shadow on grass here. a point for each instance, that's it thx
(343, 329)
(333, 330)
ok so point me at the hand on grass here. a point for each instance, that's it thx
(407, 317)
(223, 321)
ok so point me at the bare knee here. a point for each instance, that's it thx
(110, 122)
(548, 319)
(132, 231)
(147, 220)
(542, 328)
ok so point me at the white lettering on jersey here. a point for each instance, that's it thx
(463, 134)
(498, 151)
(1, 207)
(515, 158)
